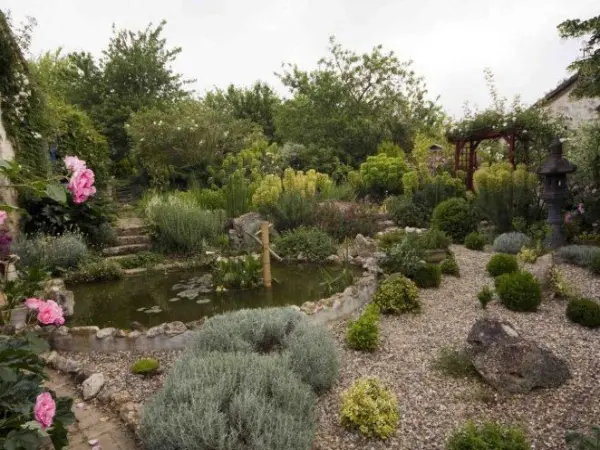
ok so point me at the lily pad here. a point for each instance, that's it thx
(174, 299)
(203, 301)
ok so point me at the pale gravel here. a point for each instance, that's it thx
(431, 404)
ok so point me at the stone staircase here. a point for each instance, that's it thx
(131, 239)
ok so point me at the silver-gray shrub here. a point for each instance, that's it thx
(63, 251)
(511, 242)
(580, 255)
(308, 350)
(230, 401)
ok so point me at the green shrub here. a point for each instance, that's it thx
(142, 259)
(145, 366)
(345, 222)
(179, 226)
(584, 311)
(588, 239)
(449, 266)
(240, 272)
(485, 296)
(454, 216)
(580, 255)
(308, 349)
(488, 436)
(387, 240)
(237, 194)
(53, 252)
(381, 174)
(207, 198)
(561, 286)
(313, 243)
(595, 265)
(454, 363)
(405, 257)
(428, 276)
(103, 236)
(434, 239)
(229, 401)
(528, 255)
(519, 291)
(370, 408)
(396, 295)
(511, 242)
(291, 210)
(475, 241)
(502, 263)
(95, 270)
(406, 214)
(581, 441)
(363, 333)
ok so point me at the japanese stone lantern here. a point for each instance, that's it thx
(554, 173)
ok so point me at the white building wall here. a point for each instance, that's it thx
(577, 110)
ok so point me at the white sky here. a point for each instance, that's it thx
(240, 41)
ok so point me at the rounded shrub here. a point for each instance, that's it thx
(308, 350)
(511, 242)
(449, 266)
(585, 312)
(428, 276)
(488, 436)
(145, 366)
(502, 263)
(363, 333)
(519, 291)
(313, 243)
(454, 216)
(475, 241)
(370, 408)
(230, 401)
(397, 294)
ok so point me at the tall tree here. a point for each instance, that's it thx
(256, 104)
(353, 102)
(588, 67)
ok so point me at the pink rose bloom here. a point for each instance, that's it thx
(3, 217)
(81, 185)
(74, 164)
(44, 409)
(580, 208)
(33, 303)
(50, 313)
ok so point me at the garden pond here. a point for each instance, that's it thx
(156, 297)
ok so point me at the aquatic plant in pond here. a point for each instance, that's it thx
(240, 272)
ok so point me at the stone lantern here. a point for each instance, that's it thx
(554, 178)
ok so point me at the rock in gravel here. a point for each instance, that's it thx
(105, 332)
(121, 397)
(542, 270)
(511, 363)
(91, 387)
(174, 328)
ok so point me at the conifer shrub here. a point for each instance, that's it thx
(396, 295)
(449, 266)
(454, 216)
(475, 241)
(519, 291)
(502, 263)
(485, 296)
(428, 276)
(584, 311)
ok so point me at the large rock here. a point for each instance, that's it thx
(362, 247)
(542, 270)
(56, 290)
(91, 387)
(511, 363)
(250, 223)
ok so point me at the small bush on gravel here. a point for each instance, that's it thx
(434, 239)
(580, 255)
(363, 333)
(309, 350)
(428, 276)
(582, 441)
(449, 266)
(485, 296)
(511, 242)
(98, 270)
(475, 241)
(502, 263)
(585, 312)
(396, 295)
(561, 286)
(519, 291)
(145, 366)
(230, 401)
(454, 363)
(487, 436)
(314, 244)
(454, 216)
(370, 408)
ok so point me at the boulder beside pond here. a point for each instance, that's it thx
(511, 363)
(56, 290)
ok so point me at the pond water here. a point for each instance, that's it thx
(152, 298)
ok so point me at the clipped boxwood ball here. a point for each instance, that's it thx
(502, 263)
(396, 295)
(584, 311)
(519, 291)
(428, 276)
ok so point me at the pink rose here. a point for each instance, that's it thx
(44, 409)
(74, 164)
(81, 185)
(3, 217)
(50, 313)
(33, 303)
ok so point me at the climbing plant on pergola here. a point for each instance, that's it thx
(527, 133)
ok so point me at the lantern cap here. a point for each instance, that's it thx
(555, 164)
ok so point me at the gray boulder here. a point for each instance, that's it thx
(511, 363)
(56, 290)
(542, 270)
(250, 223)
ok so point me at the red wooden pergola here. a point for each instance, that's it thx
(465, 153)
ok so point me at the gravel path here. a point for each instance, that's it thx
(431, 404)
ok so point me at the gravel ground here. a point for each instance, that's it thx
(431, 404)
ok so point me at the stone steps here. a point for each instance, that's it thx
(133, 239)
(126, 249)
(131, 231)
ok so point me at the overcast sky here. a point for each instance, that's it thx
(240, 41)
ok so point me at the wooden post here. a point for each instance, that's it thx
(266, 254)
